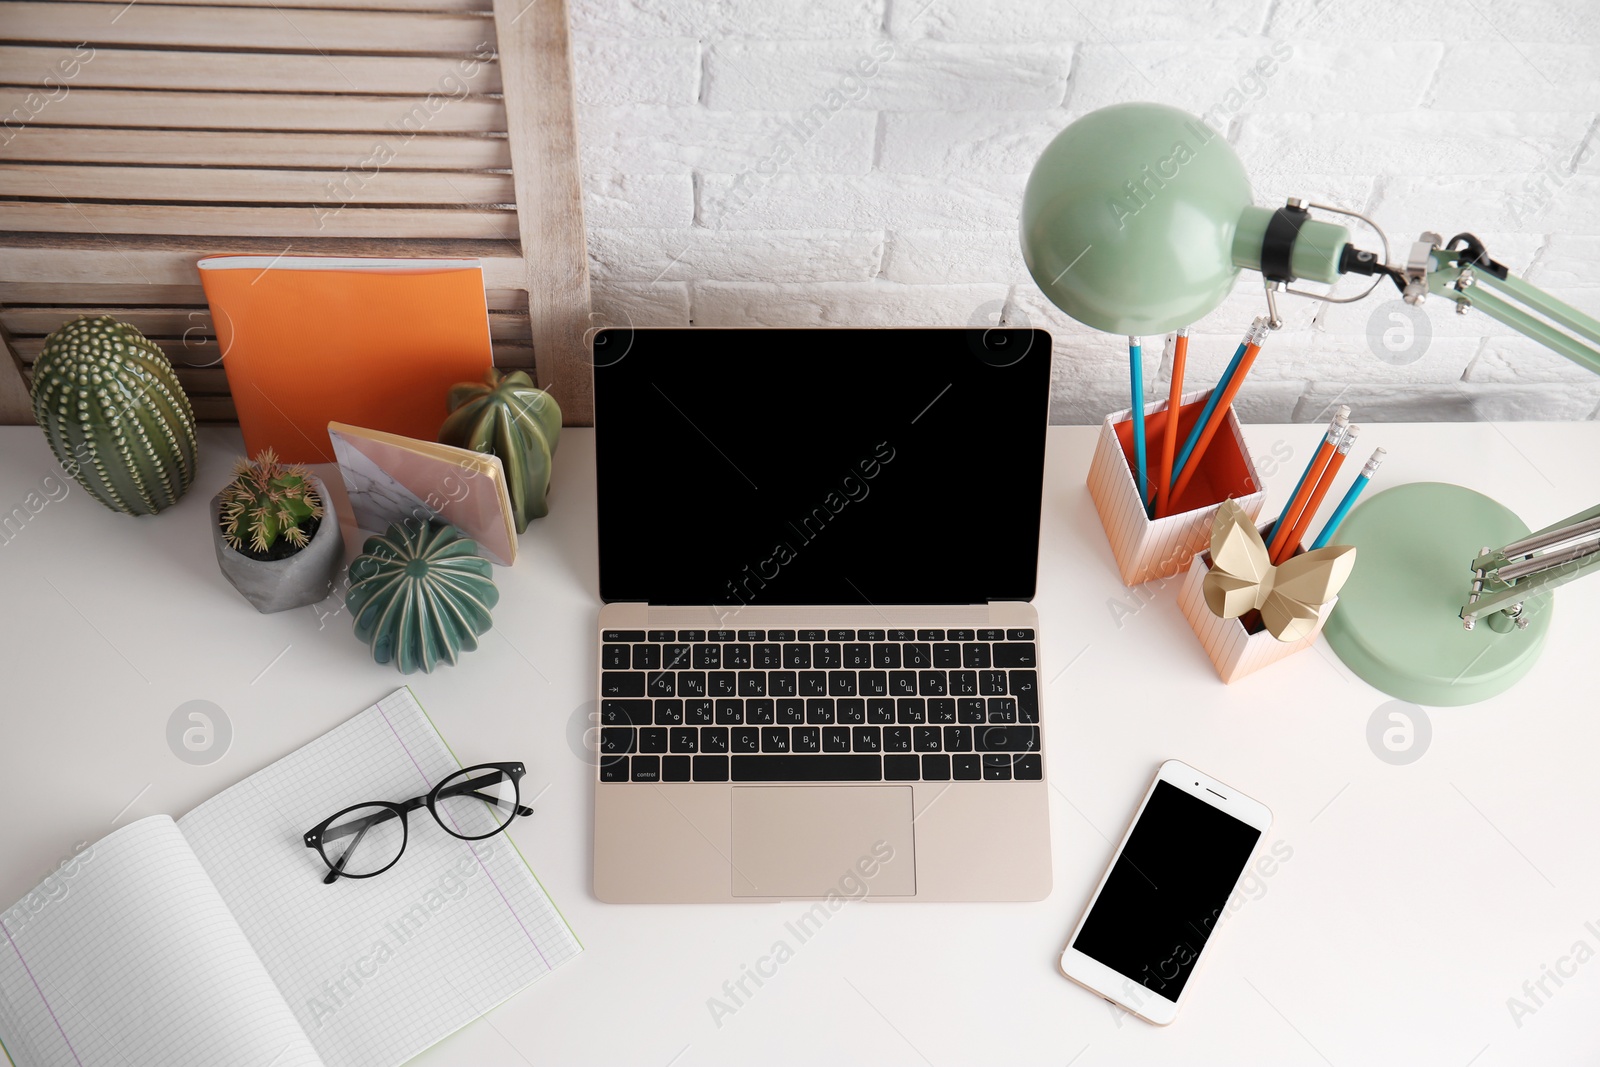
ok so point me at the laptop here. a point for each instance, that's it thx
(819, 671)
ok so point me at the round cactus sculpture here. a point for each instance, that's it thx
(420, 594)
(507, 416)
(115, 416)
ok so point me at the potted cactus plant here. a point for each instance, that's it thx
(275, 539)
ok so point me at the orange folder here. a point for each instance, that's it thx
(308, 340)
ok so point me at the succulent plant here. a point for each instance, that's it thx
(507, 416)
(267, 503)
(420, 594)
(114, 414)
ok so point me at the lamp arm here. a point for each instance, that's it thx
(1505, 580)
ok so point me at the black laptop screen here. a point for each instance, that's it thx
(820, 466)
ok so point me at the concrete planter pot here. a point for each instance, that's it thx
(294, 581)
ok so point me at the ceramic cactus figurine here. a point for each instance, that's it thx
(267, 502)
(115, 415)
(506, 415)
(420, 594)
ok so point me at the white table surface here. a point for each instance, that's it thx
(1416, 901)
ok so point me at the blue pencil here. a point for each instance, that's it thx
(1136, 372)
(1341, 418)
(1211, 404)
(1349, 500)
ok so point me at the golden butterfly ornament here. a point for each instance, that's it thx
(1288, 596)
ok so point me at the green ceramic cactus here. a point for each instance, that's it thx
(507, 416)
(420, 594)
(115, 415)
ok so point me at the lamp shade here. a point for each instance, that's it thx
(1129, 218)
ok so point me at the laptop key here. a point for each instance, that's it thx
(780, 635)
(675, 657)
(669, 713)
(835, 739)
(886, 656)
(622, 635)
(918, 655)
(719, 636)
(873, 683)
(1028, 767)
(842, 683)
(932, 683)
(903, 683)
(880, 712)
(964, 683)
(819, 712)
(813, 683)
(812, 635)
(617, 740)
(622, 683)
(962, 635)
(766, 657)
(707, 657)
(759, 713)
(775, 739)
(730, 713)
(752, 683)
(647, 768)
(1019, 635)
(897, 739)
(852, 712)
(625, 713)
(736, 656)
(841, 635)
(902, 635)
(966, 767)
(791, 712)
(711, 768)
(901, 768)
(827, 656)
(614, 770)
(941, 710)
(692, 683)
(691, 635)
(714, 739)
(958, 739)
(1000, 739)
(646, 657)
(996, 768)
(675, 768)
(974, 655)
(699, 713)
(661, 684)
(724, 683)
(857, 657)
(782, 684)
(652, 739)
(661, 635)
(991, 635)
(1024, 685)
(935, 768)
(806, 738)
(797, 657)
(970, 709)
(683, 739)
(947, 655)
(745, 739)
(926, 738)
(615, 657)
(1014, 655)
(930, 635)
(992, 683)
(821, 768)
(866, 739)
(1002, 709)
(752, 635)
(911, 710)
(871, 635)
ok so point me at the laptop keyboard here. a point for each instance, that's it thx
(819, 706)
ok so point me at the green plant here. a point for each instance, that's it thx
(420, 594)
(267, 501)
(114, 414)
(507, 416)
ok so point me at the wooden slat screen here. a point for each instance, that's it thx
(135, 139)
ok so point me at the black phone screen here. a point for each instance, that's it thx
(1167, 890)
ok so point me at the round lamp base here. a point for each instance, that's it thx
(1398, 623)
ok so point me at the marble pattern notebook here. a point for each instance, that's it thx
(390, 478)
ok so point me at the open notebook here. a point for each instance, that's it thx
(212, 940)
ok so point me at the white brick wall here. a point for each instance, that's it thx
(839, 162)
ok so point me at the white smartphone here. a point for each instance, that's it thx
(1159, 901)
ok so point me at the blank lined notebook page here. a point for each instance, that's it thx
(133, 960)
(376, 969)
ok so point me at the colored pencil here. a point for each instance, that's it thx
(1228, 389)
(1211, 401)
(1136, 373)
(1341, 415)
(1349, 500)
(1298, 534)
(1308, 484)
(1169, 440)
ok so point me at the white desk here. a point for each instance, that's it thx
(1417, 899)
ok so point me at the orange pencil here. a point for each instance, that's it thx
(1308, 484)
(1310, 512)
(1169, 440)
(1230, 389)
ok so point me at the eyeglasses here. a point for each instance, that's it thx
(367, 839)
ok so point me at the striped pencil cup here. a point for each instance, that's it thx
(1236, 650)
(1148, 548)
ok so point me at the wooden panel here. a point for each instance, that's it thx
(117, 68)
(363, 5)
(536, 69)
(359, 151)
(93, 299)
(306, 30)
(401, 117)
(74, 259)
(203, 356)
(327, 189)
(181, 321)
(38, 217)
(16, 409)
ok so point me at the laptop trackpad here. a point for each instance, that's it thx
(809, 841)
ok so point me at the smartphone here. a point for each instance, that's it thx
(1142, 934)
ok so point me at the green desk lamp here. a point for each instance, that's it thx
(1137, 220)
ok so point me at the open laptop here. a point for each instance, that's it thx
(819, 664)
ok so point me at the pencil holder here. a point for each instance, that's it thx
(1241, 646)
(1147, 548)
